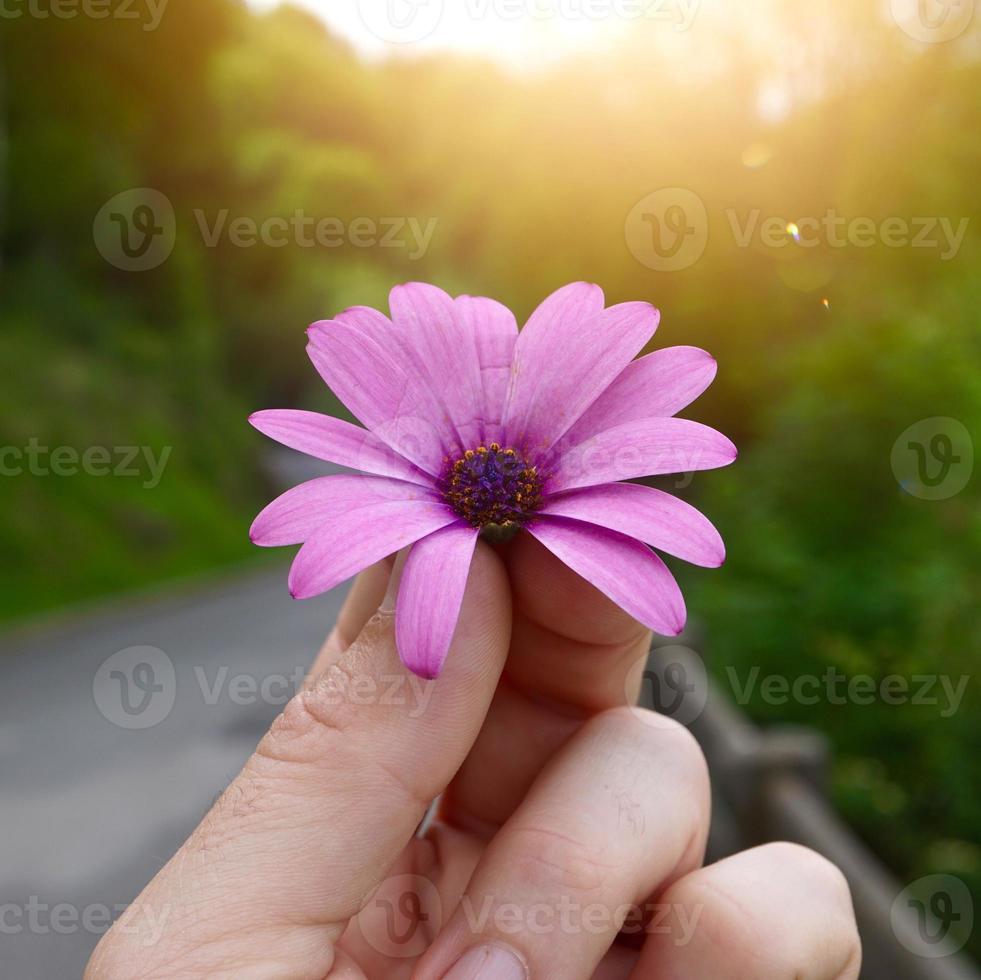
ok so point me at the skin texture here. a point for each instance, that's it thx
(561, 808)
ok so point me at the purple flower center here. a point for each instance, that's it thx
(492, 486)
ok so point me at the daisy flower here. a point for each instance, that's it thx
(471, 426)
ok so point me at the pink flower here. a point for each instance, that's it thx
(468, 424)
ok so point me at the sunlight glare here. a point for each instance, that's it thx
(509, 31)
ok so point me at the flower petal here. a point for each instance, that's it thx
(295, 515)
(649, 515)
(620, 567)
(495, 331)
(659, 384)
(566, 365)
(350, 542)
(431, 346)
(370, 322)
(439, 350)
(337, 441)
(645, 447)
(566, 308)
(372, 382)
(433, 582)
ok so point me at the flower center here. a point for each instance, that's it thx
(492, 486)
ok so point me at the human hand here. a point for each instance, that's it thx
(562, 809)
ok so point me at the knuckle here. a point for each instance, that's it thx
(554, 862)
(319, 712)
(660, 738)
(827, 888)
(650, 758)
(815, 872)
(797, 921)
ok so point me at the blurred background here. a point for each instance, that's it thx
(186, 184)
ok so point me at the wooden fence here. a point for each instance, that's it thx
(770, 785)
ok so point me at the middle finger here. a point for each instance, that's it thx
(621, 812)
(573, 654)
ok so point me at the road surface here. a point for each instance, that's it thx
(104, 772)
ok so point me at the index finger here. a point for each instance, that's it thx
(323, 808)
(574, 653)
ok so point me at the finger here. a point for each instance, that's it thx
(333, 793)
(779, 911)
(572, 655)
(621, 811)
(360, 604)
(571, 644)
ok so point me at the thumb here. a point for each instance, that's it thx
(323, 808)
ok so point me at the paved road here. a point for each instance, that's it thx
(90, 809)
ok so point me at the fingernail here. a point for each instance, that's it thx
(388, 602)
(488, 962)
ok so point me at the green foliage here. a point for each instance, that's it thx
(833, 565)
